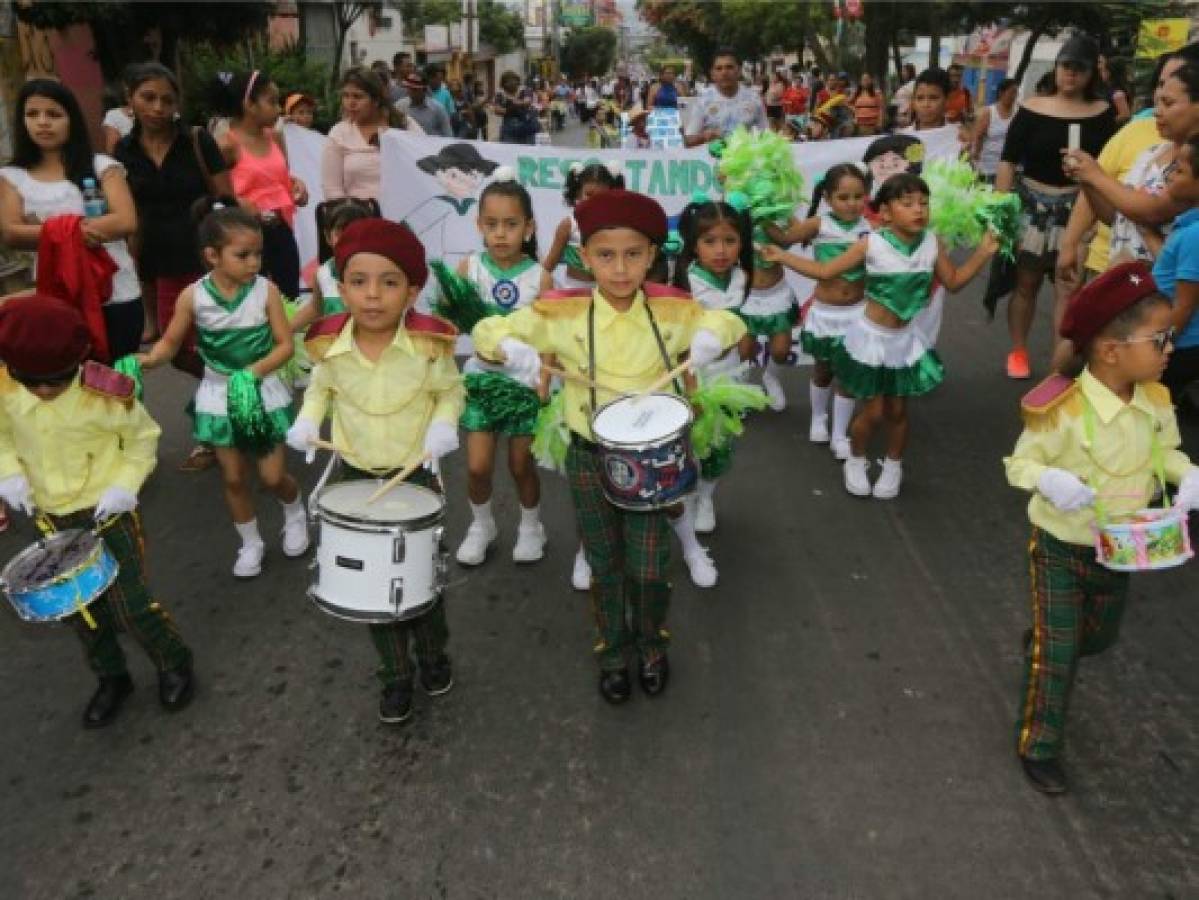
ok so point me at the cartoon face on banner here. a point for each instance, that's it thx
(893, 154)
(447, 220)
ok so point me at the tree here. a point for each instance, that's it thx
(500, 28)
(345, 14)
(588, 51)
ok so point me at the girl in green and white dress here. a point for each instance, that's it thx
(326, 287)
(241, 408)
(884, 358)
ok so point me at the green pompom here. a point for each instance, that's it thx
(551, 440)
(459, 300)
(761, 165)
(962, 208)
(723, 402)
(253, 429)
(131, 368)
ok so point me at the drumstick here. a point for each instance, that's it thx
(580, 379)
(323, 445)
(663, 381)
(398, 477)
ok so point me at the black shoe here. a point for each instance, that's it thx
(654, 675)
(438, 677)
(614, 686)
(1046, 775)
(176, 687)
(106, 702)
(395, 706)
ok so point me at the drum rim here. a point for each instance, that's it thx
(641, 445)
(74, 611)
(97, 550)
(337, 611)
(649, 507)
(380, 526)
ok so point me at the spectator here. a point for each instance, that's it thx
(903, 95)
(514, 105)
(725, 104)
(439, 92)
(867, 106)
(990, 130)
(957, 102)
(118, 117)
(426, 112)
(795, 97)
(402, 67)
(350, 160)
(1115, 87)
(299, 109)
(664, 94)
(772, 96)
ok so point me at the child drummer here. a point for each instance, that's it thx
(77, 446)
(1097, 446)
(624, 340)
(398, 398)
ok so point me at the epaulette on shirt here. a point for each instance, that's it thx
(107, 383)
(322, 333)
(432, 333)
(1055, 396)
(566, 302)
(670, 304)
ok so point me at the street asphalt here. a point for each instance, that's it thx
(839, 723)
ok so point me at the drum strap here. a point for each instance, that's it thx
(1156, 460)
(592, 371)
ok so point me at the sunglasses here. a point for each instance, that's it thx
(1160, 339)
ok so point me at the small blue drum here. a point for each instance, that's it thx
(646, 461)
(58, 576)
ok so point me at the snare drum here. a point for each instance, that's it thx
(646, 461)
(378, 562)
(1149, 539)
(59, 575)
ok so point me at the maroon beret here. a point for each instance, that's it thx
(1104, 298)
(618, 208)
(385, 238)
(42, 336)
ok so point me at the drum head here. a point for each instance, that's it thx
(638, 421)
(403, 503)
(50, 557)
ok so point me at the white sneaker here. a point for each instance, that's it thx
(530, 544)
(857, 476)
(774, 391)
(249, 561)
(702, 569)
(887, 486)
(295, 537)
(840, 448)
(580, 578)
(479, 536)
(705, 515)
(818, 430)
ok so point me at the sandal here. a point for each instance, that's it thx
(202, 457)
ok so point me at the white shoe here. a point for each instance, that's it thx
(774, 391)
(249, 561)
(840, 448)
(295, 537)
(818, 430)
(580, 578)
(702, 569)
(530, 544)
(857, 476)
(479, 536)
(887, 486)
(705, 515)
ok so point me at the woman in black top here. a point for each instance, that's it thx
(1036, 139)
(170, 166)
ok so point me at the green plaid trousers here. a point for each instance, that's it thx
(427, 633)
(1077, 605)
(127, 605)
(629, 554)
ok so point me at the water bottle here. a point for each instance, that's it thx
(94, 204)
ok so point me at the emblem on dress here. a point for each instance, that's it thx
(505, 293)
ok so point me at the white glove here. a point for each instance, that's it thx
(113, 502)
(1064, 490)
(300, 438)
(441, 439)
(1188, 490)
(705, 348)
(14, 491)
(521, 361)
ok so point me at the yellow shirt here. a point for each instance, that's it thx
(1119, 467)
(627, 357)
(382, 409)
(1116, 160)
(76, 446)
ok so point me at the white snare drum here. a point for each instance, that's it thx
(646, 461)
(380, 562)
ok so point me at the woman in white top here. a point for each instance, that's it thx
(51, 160)
(990, 130)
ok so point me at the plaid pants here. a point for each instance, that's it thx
(428, 633)
(629, 553)
(127, 605)
(1077, 605)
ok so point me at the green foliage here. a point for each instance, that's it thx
(419, 13)
(500, 27)
(588, 51)
(289, 68)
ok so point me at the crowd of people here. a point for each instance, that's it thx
(195, 226)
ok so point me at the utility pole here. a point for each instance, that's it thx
(555, 43)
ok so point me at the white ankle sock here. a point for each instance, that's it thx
(842, 415)
(293, 510)
(707, 488)
(684, 527)
(530, 516)
(482, 512)
(248, 532)
(819, 399)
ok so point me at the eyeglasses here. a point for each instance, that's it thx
(1160, 339)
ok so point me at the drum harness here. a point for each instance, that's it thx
(1155, 459)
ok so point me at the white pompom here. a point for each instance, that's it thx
(615, 169)
(576, 168)
(504, 173)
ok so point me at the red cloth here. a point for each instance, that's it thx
(67, 268)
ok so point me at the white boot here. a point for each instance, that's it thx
(295, 528)
(249, 555)
(701, 568)
(479, 536)
(530, 537)
(773, 387)
(705, 514)
(887, 486)
(857, 476)
(840, 447)
(818, 430)
(580, 578)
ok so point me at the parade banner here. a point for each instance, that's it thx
(304, 149)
